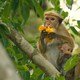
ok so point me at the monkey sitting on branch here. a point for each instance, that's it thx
(55, 43)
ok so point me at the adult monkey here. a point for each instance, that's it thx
(56, 46)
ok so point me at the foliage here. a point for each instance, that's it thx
(72, 62)
(60, 78)
(15, 13)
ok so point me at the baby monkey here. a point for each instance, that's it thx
(56, 46)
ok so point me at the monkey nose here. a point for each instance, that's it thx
(48, 24)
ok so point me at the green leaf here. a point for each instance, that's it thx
(17, 53)
(11, 52)
(17, 25)
(22, 67)
(30, 3)
(78, 23)
(37, 73)
(60, 78)
(72, 62)
(5, 42)
(56, 4)
(6, 12)
(74, 30)
(3, 28)
(44, 77)
(41, 77)
(69, 2)
(25, 75)
(25, 11)
(38, 8)
(64, 14)
(49, 78)
(77, 51)
(0, 36)
(14, 5)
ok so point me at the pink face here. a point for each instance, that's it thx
(51, 21)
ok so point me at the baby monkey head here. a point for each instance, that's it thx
(52, 19)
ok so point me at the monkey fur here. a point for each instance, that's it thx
(57, 46)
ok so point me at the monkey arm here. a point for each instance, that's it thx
(65, 39)
(66, 43)
(41, 44)
(68, 39)
(63, 32)
(66, 48)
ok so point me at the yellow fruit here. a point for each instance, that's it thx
(47, 29)
(41, 28)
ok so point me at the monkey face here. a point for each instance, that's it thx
(52, 20)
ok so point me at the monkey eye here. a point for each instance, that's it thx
(52, 18)
(47, 18)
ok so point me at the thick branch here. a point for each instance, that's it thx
(7, 70)
(33, 54)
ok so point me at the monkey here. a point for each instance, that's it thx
(56, 46)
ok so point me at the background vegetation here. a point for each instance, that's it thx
(25, 16)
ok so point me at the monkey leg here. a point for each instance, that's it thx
(61, 61)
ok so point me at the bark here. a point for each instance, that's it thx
(7, 69)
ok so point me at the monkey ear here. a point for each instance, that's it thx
(60, 20)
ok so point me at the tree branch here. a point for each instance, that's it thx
(33, 54)
(7, 69)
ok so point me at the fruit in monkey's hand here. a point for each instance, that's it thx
(47, 29)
